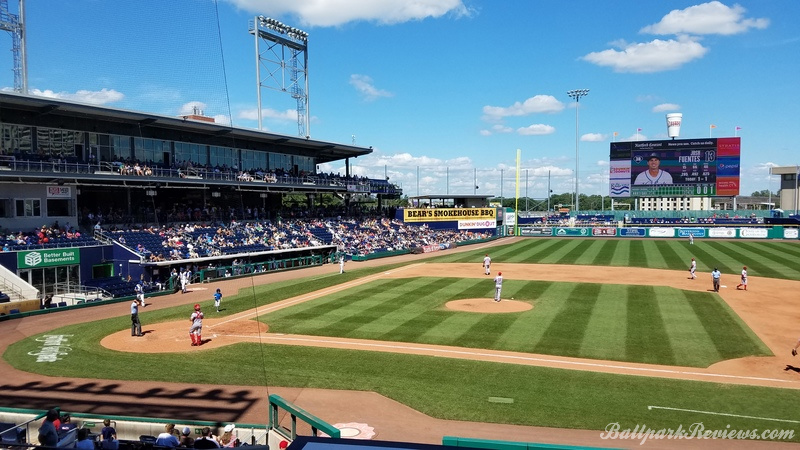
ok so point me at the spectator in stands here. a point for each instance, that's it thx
(206, 440)
(228, 438)
(48, 436)
(168, 438)
(66, 425)
(186, 438)
(108, 432)
(84, 443)
(110, 444)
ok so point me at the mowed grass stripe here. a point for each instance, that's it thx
(647, 339)
(621, 256)
(606, 330)
(565, 333)
(765, 259)
(606, 253)
(591, 253)
(576, 252)
(707, 258)
(688, 337)
(559, 249)
(676, 254)
(390, 307)
(636, 254)
(655, 258)
(741, 258)
(730, 335)
(523, 334)
(790, 250)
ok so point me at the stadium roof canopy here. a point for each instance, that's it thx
(61, 114)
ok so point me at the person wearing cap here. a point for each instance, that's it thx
(744, 279)
(48, 434)
(186, 438)
(715, 276)
(653, 174)
(168, 438)
(228, 438)
(136, 325)
(196, 330)
(206, 440)
(498, 286)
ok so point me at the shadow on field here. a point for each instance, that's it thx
(123, 398)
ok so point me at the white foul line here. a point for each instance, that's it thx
(377, 345)
(722, 414)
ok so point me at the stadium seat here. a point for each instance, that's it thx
(11, 434)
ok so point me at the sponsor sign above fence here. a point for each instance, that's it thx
(476, 224)
(756, 233)
(447, 214)
(722, 233)
(633, 232)
(48, 258)
(696, 232)
(573, 231)
(661, 232)
(535, 231)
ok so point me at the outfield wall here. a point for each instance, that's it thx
(775, 232)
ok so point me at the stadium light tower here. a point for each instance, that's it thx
(577, 94)
(14, 24)
(285, 61)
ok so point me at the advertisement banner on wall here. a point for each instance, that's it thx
(604, 231)
(447, 214)
(753, 233)
(633, 232)
(48, 258)
(535, 231)
(661, 232)
(790, 233)
(573, 232)
(722, 233)
(476, 224)
(696, 232)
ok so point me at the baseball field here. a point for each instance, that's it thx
(589, 332)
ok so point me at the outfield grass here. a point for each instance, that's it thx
(460, 389)
(765, 259)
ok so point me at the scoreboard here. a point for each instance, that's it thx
(675, 168)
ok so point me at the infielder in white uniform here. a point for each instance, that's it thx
(692, 269)
(341, 264)
(744, 279)
(498, 286)
(486, 263)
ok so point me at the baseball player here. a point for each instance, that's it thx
(715, 276)
(341, 264)
(217, 298)
(498, 286)
(691, 239)
(743, 284)
(794, 350)
(487, 262)
(140, 293)
(196, 330)
(693, 269)
(185, 274)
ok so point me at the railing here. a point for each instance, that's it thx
(8, 162)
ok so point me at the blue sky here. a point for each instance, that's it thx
(446, 91)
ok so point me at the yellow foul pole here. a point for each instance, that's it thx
(516, 198)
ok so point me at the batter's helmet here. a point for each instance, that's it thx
(197, 306)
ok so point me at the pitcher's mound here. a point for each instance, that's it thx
(488, 305)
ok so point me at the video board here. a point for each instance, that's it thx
(675, 168)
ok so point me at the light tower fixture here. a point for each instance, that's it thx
(577, 94)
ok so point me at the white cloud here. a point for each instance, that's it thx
(366, 88)
(707, 18)
(338, 12)
(537, 129)
(192, 108)
(101, 97)
(535, 105)
(497, 129)
(649, 57)
(666, 107)
(289, 115)
(593, 137)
